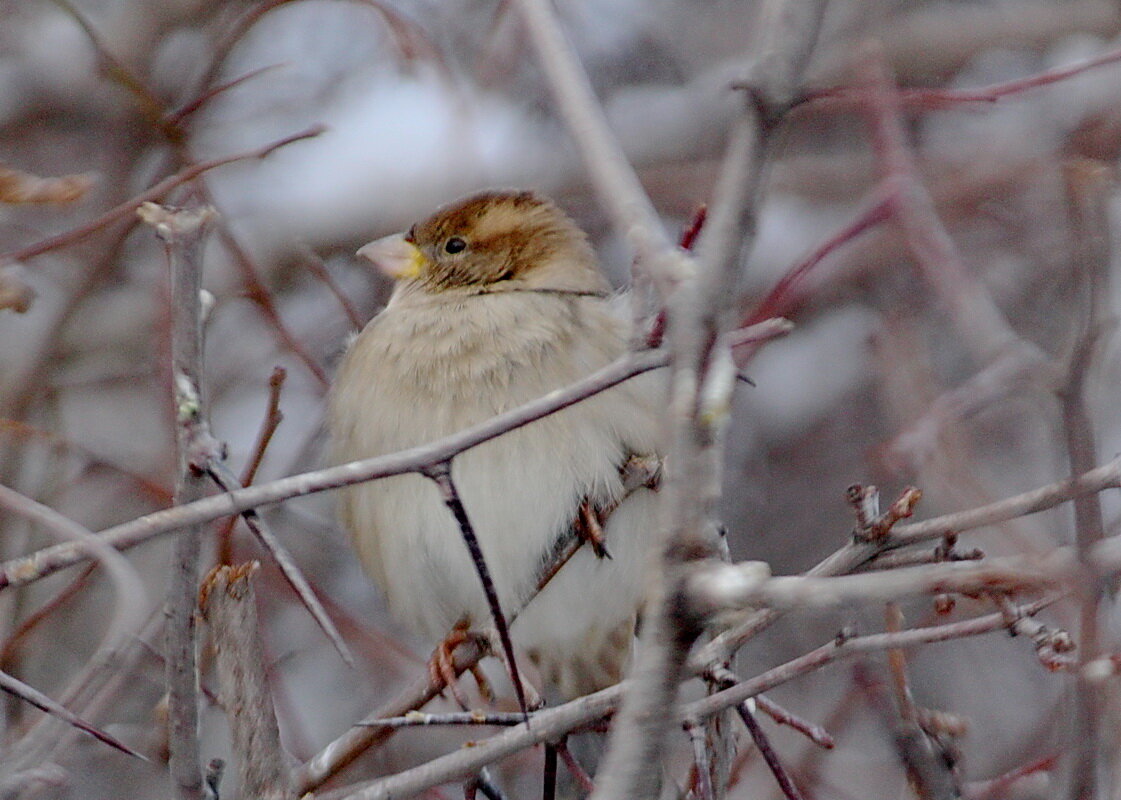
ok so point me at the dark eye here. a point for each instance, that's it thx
(455, 245)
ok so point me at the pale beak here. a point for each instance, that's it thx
(395, 256)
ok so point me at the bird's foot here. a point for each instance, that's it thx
(441, 666)
(639, 472)
(589, 528)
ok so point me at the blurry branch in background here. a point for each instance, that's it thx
(41, 744)
(1088, 194)
(606, 165)
(155, 193)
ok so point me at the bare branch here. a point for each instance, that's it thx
(774, 763)
(228, 482)
(227, 602)
(551, 723)
(183, 233)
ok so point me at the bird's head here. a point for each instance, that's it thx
(500, 241)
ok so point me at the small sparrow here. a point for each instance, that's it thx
(499, 300)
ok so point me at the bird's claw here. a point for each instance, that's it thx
(441, 666)
(589, 527)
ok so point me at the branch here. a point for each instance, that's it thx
(551, 723)
(1088, 192)
(183, 234)
(28, 694)
(228, 604)
(774, 764)
(20, 571)
(851, 556)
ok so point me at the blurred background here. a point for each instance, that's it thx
(426, 100)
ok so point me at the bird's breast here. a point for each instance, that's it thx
(418, 374)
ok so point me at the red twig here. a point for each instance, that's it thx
(789, 291)
(934, 99)
(273, 417)
(815, 733)
(316, 266)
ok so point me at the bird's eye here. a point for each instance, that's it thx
(455, 245)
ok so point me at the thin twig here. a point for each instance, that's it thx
(28, 694)
(440, 474)
(228, 482)
(933, 99)
(774, 763)
(788, 291)
(815, 733)
(272, 419)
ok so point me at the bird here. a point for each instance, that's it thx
(498, 300)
